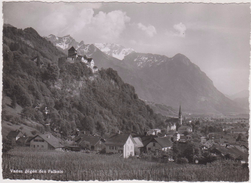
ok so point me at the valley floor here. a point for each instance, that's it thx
(22, 163)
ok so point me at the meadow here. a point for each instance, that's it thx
(53, 165)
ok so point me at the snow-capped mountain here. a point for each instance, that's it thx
(64, 42)
(114, 50)
(157, 78)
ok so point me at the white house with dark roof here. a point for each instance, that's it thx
(120, 143)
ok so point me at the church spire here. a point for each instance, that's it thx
(180, 115)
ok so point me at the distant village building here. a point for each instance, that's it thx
(185, 138)
(120, 143)
(184, 129)
(45, 142)
(157, 145)
(93, 143)
(154, 131)
(176, 137)
(171, 126)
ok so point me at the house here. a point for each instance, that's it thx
(176, 136)
(231, 152)
(146, 140)
(208, 144)
(185, 138)
(24, 141)
(72, 53)
(184, 129)
(159, 144)
(90, 142)
(138, 145)
(45, 142)
(153, 132)
(13, 136)
(120, 143)
(171, 126)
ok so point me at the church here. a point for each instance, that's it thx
(173, 124)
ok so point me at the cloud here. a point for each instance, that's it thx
(110, 25)
(82, 23)
(180, 30)
(149, 30)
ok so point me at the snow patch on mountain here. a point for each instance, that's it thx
(147, 60)
(114, 50)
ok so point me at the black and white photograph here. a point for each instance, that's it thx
(107, 91)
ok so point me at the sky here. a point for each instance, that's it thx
(213, 36)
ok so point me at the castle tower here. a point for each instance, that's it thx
(180, 116)
(72, 52)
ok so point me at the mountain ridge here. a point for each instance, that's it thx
(170, 81)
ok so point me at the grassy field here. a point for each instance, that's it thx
(82, 166)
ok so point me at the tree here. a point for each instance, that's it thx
(51, 73)
(101, 128)
(88, 124)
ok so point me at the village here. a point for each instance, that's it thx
(183, 141)
(186, 139)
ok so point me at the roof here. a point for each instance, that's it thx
(164, 141)
(118, 139)
(138, 142)
(91, 139)
(13, 134)
(233, 151)
(72, 49)
(147, 139)
(53, 141)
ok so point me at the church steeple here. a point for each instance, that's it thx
(180, 116)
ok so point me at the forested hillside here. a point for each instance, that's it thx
(68, 96)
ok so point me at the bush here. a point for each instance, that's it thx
(182, 160)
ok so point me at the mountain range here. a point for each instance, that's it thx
(50, 92)
(157, 78)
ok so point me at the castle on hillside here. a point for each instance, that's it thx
(73, 57)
